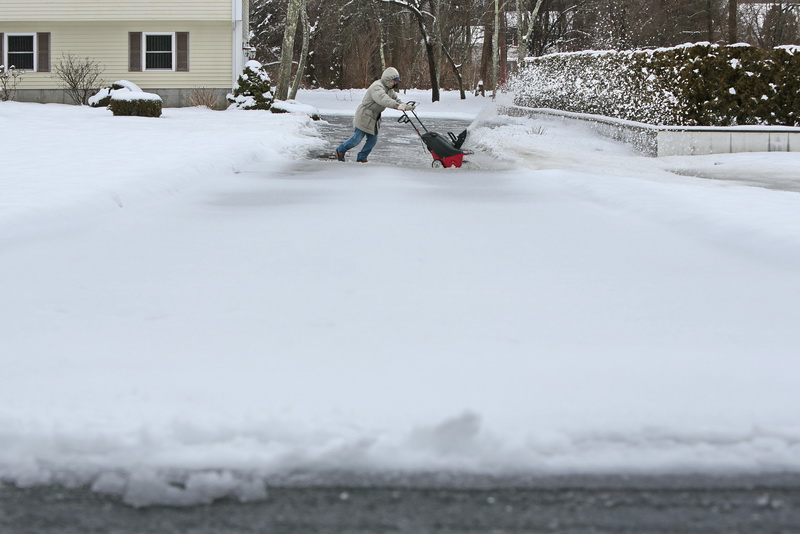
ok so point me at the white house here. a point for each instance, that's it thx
(168, 47)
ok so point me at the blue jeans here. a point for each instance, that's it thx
(358, 135)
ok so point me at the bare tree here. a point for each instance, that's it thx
(9, 80)
(287, 49)
(415, 8)
(436, 43)
(564, 25)
(781, 24)
(525, 26)
(301, 65)
(770, 24)
(80, 78)
(381, 38)
(452, 34)
(496, 48)
(733, 9)
(486, 56)
(710, 20)
(456, 70)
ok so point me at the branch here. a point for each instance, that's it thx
(414, 9)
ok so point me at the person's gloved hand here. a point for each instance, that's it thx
(406, 107)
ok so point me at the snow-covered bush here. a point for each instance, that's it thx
(739, 84)
(616, 84)
(693, 84)
(102, 98)
(133, 103)
(253, 89)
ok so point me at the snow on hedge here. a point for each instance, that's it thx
(103, 97)
(131, 95)
(699, 84)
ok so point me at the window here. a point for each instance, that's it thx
(159, 51)
(21, 51)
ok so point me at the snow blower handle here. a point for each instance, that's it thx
(405, 118)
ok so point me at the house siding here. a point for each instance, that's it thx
(115, 10)
(107, 43)
(99, 30)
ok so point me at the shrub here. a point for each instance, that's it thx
(253, 90)
(204, 97)
(138, 104)
(695, 84)
(9, 80)
(102, 98)
(78, 77)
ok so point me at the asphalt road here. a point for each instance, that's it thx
(398, 144)
(574, 505)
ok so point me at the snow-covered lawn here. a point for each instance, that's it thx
(187, 299)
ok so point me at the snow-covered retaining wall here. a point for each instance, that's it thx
(677, 140)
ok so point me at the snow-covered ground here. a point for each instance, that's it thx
(188, 309)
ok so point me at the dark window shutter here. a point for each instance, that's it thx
(43, 65)
(183, 51)
(2, 61)
(135, 51)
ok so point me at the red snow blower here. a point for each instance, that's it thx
(446, 152)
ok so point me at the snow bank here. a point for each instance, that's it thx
(762, 220)
(186, 464)
(293, 106)
(95, 160)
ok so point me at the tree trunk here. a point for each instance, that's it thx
(420, 16)
(525, 31)
(287, 50)
(522, 18)
(733, 8)
(301, 65)
(456, 71)
(496, 49)
(382, 43)
(710, 20)
(502, 43)
(486, 58)
(436, 6)
(435, 97)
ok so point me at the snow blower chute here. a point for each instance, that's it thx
(446, 151)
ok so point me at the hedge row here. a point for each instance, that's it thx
(690, 85)
(136, 107)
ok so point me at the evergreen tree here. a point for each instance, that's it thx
(253, 89)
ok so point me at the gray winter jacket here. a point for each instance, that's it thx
(380, 96)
